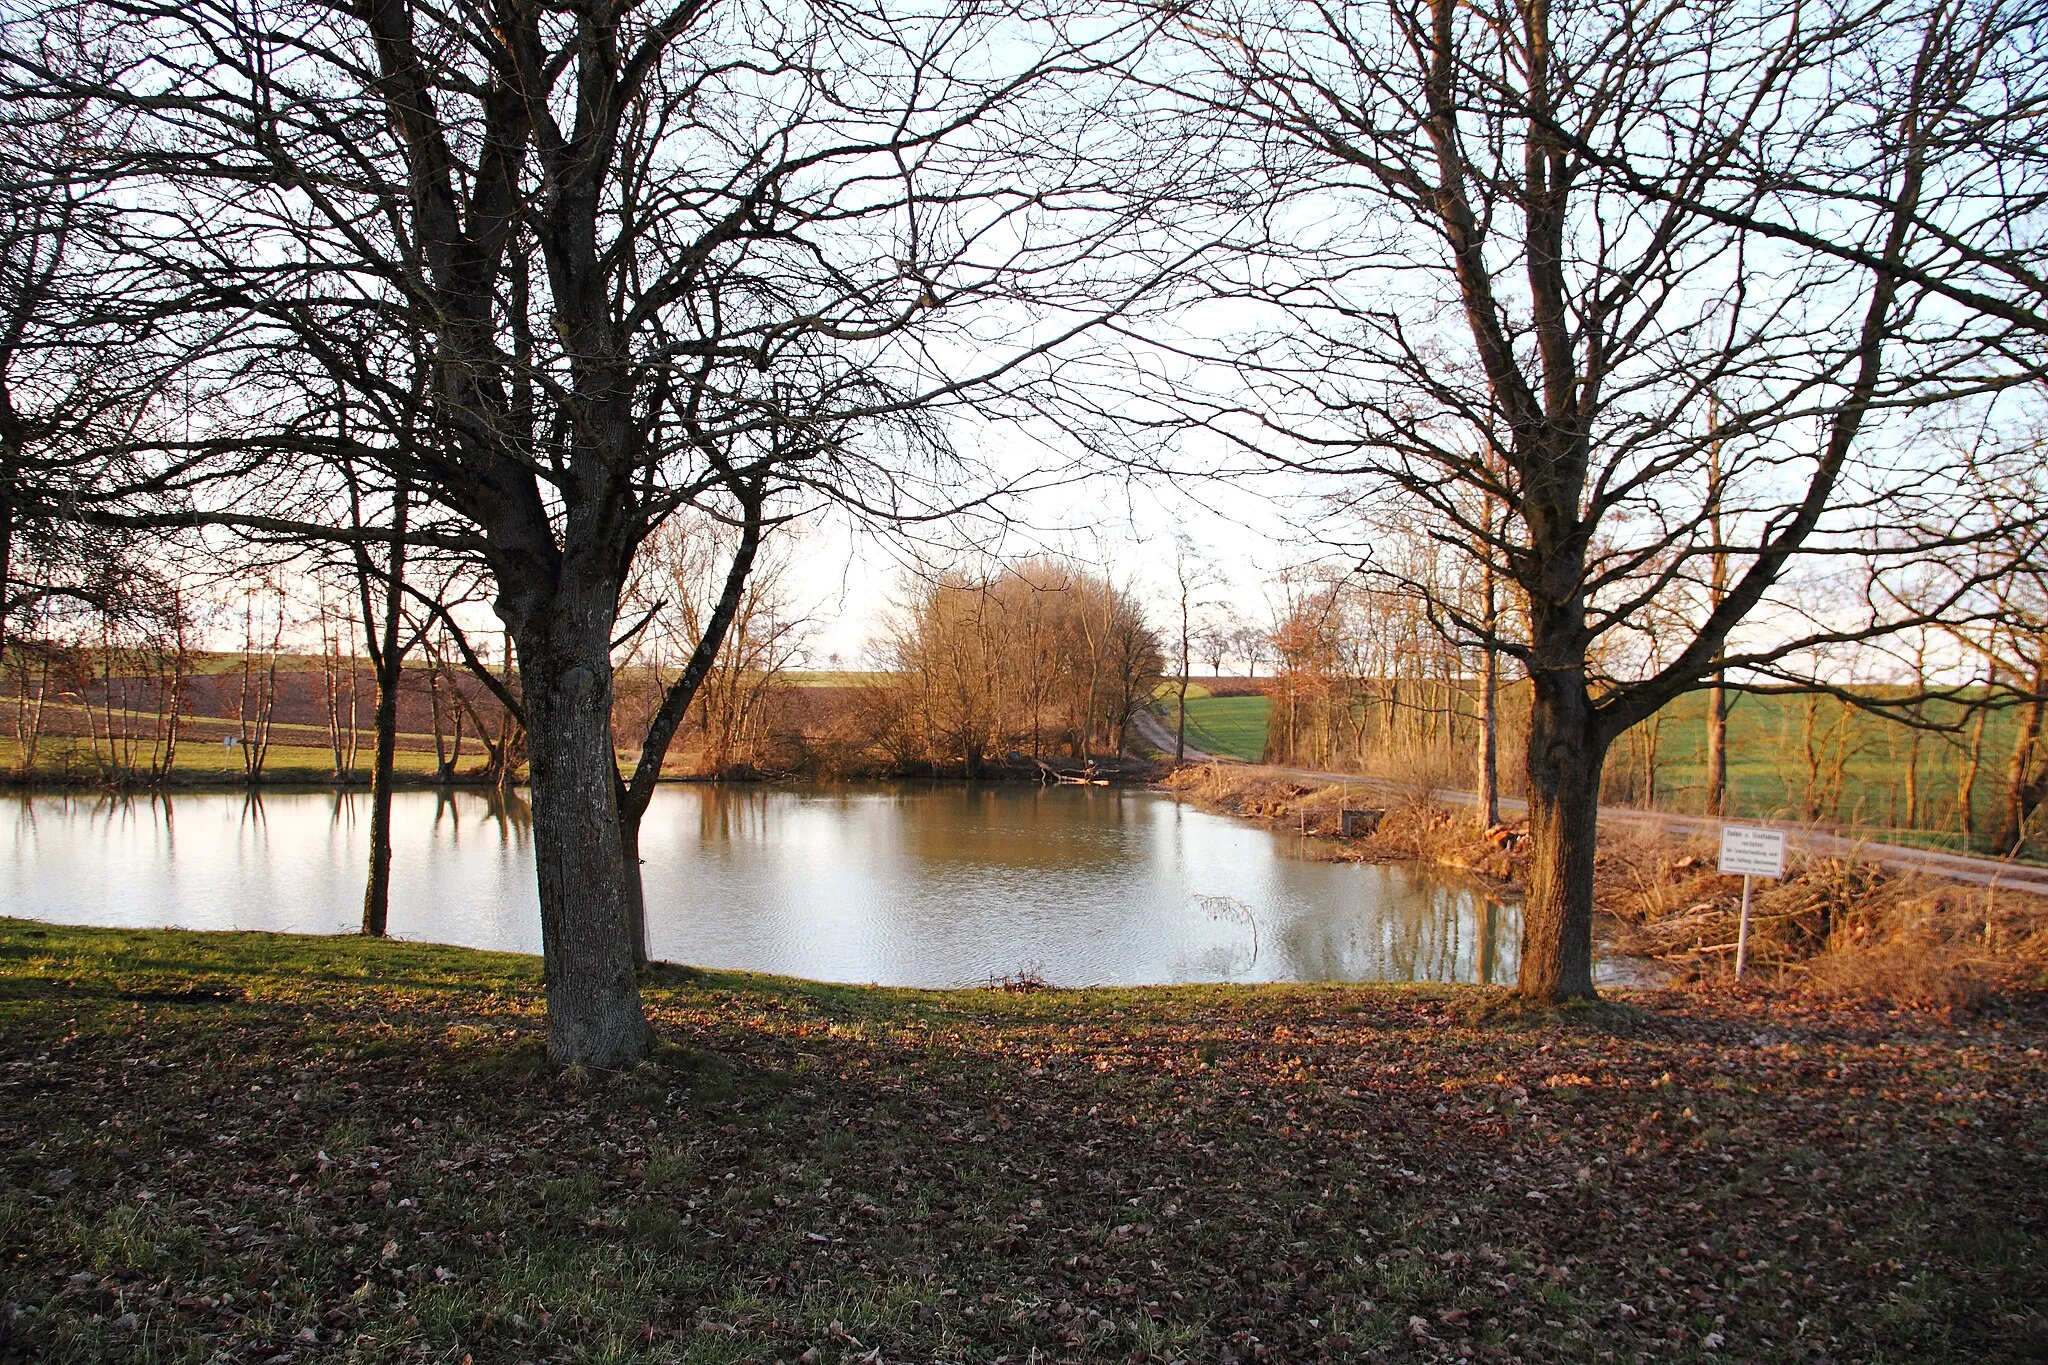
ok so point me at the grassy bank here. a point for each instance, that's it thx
(251, 1146)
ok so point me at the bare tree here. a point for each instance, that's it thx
(1039, 648)
(1190, 576)
(94, 383)
(388, 637)
(726, 256)
(1550, 261)
(338, 686)
(1213, 643)
(263, 627)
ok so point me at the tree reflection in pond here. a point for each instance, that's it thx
(916, 884)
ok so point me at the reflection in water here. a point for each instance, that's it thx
(927, 885)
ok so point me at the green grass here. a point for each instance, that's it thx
(836, 677)
(233, 1145)
(63, 757)
(1771, 772)
(1234, 727)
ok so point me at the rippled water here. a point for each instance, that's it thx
(912, 885)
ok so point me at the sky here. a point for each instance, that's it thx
(1242, 529)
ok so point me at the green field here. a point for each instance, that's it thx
(1790, 758)
(1234, 727)
(1797, 758)
(839, 677)
(59, 757)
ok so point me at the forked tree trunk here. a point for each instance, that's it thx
(594, 1015)
(1566, 754)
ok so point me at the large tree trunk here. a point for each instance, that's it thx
(594, 1015)
(1566, 754)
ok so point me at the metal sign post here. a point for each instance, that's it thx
(1749, 853)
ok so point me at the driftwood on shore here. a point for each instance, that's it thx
(1087, 777)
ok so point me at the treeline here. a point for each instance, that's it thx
(1937, 735)
(122, 703)
(1365, 681)
(1038, 657)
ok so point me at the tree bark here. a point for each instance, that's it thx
(636, 885)
(377, 888)
(1489, 691)
(594, 1015)
(1180, 727)
(1717, 592)
(2021, 795)
(1566, 753)
(1966, 786)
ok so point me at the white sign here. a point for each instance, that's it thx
(1750, 852)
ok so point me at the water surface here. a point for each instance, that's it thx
(909, 885)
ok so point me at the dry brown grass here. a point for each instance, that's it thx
(1840, 926)
(1414, 827)
(1835, 926)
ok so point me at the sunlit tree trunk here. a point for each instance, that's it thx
(1566, 754)
(2021, 793)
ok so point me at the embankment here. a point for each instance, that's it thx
(1834, 925)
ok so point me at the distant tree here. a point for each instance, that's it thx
(1213, 643)
(1254, 645)
(1191, 576)
(1021, 652)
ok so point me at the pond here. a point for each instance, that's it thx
(906, 885)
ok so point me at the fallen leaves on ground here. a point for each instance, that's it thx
(255, 1148)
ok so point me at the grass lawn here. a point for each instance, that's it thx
(249, 1146)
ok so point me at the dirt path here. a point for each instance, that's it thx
(1806, 839)
(1153, 729)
